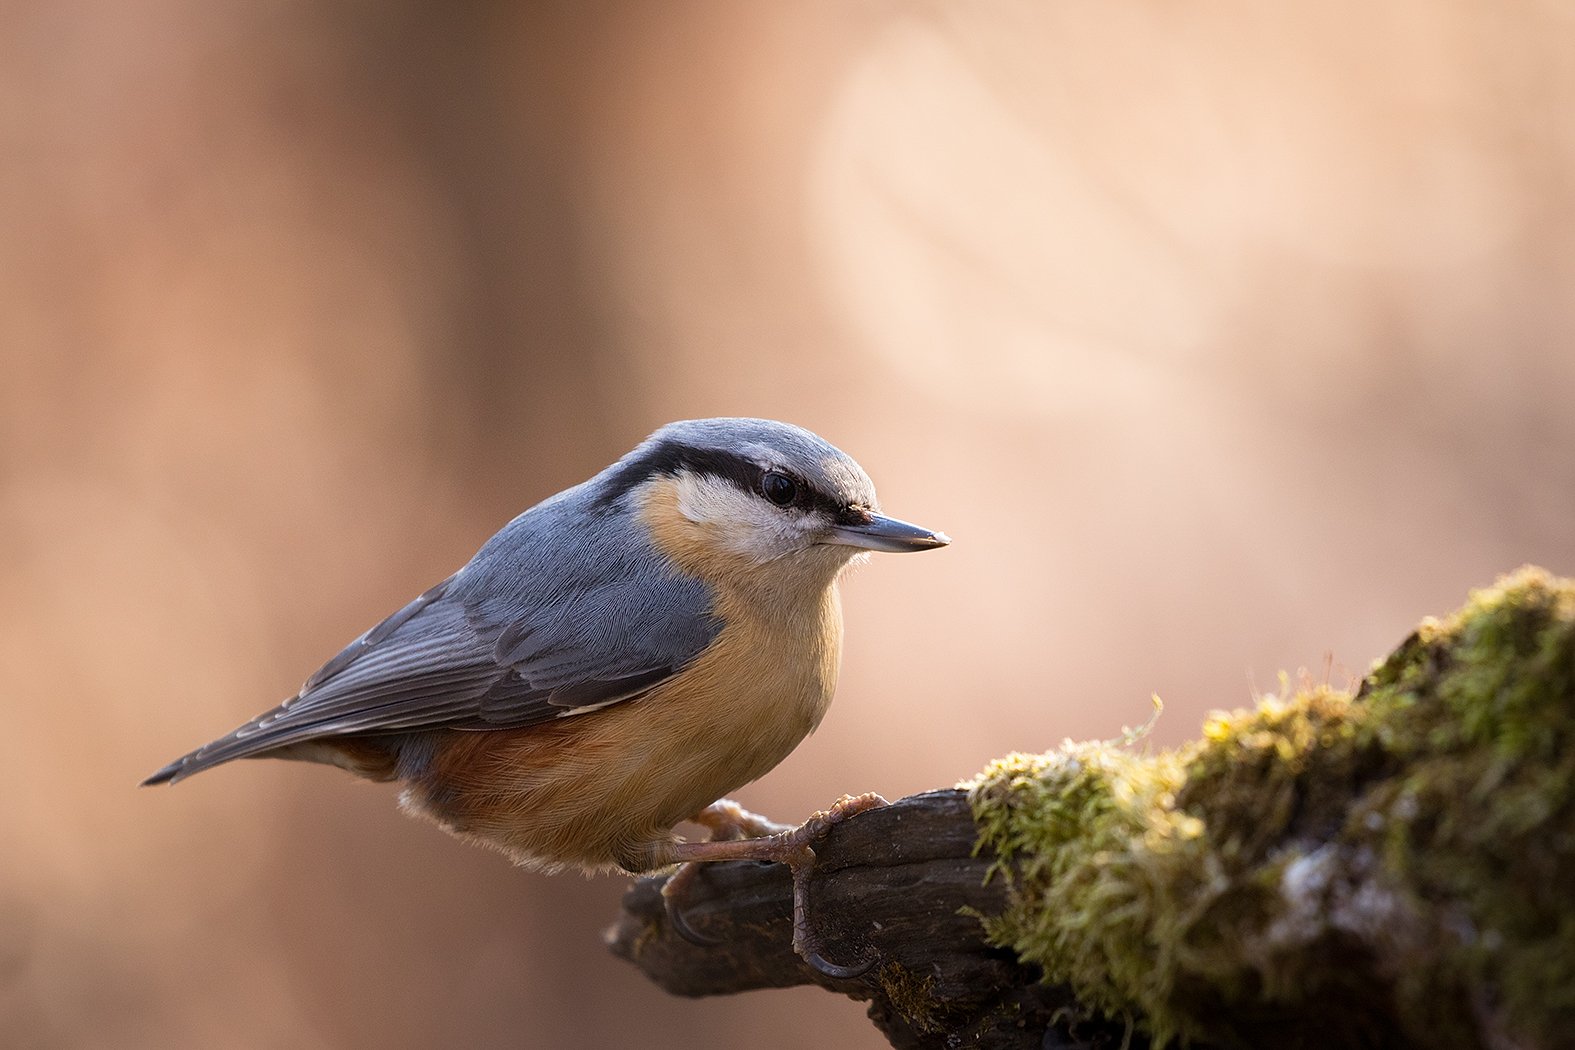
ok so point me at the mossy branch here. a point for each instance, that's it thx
(902, 881)
(1393, 868)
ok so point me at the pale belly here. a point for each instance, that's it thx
(604, 789)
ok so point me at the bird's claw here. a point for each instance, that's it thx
(680, 925)
(674, 888)
(791, 847)
(842, 973)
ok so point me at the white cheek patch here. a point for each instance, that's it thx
(708, 500)
(744, 524)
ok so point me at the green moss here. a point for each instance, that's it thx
(1391, 868)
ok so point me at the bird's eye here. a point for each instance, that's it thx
(778, 488)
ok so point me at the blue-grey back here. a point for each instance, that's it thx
(575, 587)
(568, 607)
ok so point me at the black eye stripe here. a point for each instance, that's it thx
(852, 515)
(806, 497)
(670, 457)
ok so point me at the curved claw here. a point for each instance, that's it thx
(791, 847)
(676, 884)
(680, 925)
(842, 973)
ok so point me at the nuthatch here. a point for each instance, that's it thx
(613, 662)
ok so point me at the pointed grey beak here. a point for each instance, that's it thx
(887, 534)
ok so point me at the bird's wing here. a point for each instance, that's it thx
(465, 655)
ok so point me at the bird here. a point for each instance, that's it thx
(614, 662)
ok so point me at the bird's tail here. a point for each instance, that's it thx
(372, 756)
(255, 737)
(187, 764)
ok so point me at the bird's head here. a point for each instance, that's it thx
(727, 495)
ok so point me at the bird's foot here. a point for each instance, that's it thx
(790, 846)
(726, 819)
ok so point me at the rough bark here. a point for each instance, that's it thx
(901, 882)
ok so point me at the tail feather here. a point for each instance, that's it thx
(264, 733)
(259, 735)
(165, 775)
(366, 755)
(184, 766)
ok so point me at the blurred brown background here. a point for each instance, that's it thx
(1219, 339)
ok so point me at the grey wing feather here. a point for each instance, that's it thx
(529, 631)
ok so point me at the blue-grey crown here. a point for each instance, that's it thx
(741, 451)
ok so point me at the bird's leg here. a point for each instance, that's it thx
(726, 820)
(792, 847)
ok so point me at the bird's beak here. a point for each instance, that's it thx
(887, 534)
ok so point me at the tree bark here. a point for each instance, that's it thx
(901, 882)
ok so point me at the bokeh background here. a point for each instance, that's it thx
(1224, 339)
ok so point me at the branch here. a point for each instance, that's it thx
(1389, 868)
(900, 881)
